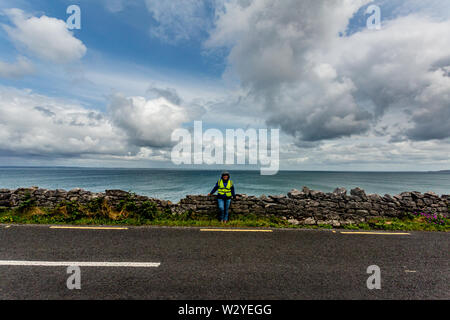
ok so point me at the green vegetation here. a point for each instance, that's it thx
(409, 222)
(128, 212)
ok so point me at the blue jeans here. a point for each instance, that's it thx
(224, 205)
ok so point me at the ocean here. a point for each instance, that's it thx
(170, 184)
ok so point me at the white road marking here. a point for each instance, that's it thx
(379, 233)
(235, 230)
(79, 264)
(89, 228)
(410, 271)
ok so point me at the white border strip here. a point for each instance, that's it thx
(79, 264)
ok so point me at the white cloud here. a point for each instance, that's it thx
(147, 123)
(44, 37)
(53, 127)
(179, 20)
(60, 128)
(402, 67)
(368, 153)
(317, 85)
(18, 69)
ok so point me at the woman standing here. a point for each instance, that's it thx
(225, 192)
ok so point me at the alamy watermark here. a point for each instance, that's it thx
(374, 21)
(74, 280)
(241, 147)
(374, 281)
(74, 20)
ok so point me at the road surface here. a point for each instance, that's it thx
(193, 263)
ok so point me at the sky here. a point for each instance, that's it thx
(110, 94)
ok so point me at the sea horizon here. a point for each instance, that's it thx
(228, 169)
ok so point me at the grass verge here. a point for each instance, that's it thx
(129, 213)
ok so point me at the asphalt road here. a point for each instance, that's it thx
(194, 264)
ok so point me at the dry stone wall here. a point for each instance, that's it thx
(299, 207)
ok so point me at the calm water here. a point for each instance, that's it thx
(176, 184)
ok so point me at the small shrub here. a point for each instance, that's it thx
(26, 203)
(147, 210)
(95, 206)
(68, 212)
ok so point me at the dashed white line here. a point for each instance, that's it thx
(79, 264)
